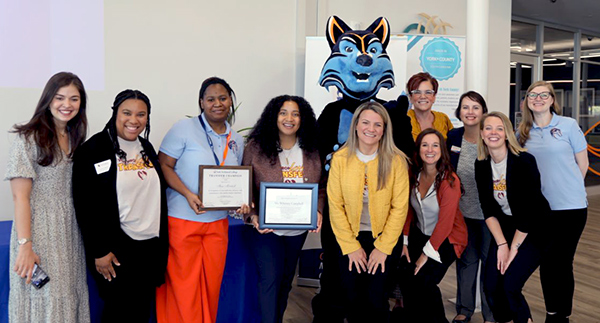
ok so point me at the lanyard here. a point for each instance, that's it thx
(212, 147)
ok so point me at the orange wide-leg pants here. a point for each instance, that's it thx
(197, 253)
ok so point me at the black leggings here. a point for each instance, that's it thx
(421, 294)
(504, 292)
(562, 231)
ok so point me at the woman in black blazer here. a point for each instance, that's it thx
(120, 204)
(511, 198)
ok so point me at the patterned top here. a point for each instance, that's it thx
(469, 202)
(56, 240)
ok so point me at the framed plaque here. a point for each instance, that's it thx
(225, 187)
(288, 206)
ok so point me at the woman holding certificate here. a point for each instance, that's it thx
(282, 147)
(368, 191)
(197, 239)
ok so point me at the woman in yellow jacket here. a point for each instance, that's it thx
(368, 200)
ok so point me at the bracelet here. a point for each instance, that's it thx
(503, 243)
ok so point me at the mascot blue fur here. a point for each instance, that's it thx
(359, 67)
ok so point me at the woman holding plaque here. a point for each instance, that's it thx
(282, 147)
(368, 199)
(435, 233)
(120, 202)
(197, 239)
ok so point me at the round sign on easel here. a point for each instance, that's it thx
(440, 57)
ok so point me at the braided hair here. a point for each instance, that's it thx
(111, 125)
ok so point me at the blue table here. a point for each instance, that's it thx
(237, 302)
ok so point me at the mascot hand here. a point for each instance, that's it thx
(400, 105)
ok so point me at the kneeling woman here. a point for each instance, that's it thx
(120, 202)
(282, 147)
(435, 230)
(368, 199)
(511, 198)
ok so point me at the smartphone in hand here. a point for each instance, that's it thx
(39, 277)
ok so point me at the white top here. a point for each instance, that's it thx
(293, 172)
(427, 210)
(499, 178)
(365, 216)
(138, 193)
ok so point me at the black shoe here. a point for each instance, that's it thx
(555, 318)
(467, 319)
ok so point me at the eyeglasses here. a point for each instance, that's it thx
(419, 92)
(543, 95)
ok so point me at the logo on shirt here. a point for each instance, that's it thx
(500, 187)
(233, 146)
(134, 164)
(556, 133)
(292, 173)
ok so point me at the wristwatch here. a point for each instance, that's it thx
(23, 241)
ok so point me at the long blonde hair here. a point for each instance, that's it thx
(527, 115)
(387, 150)
(512, 143)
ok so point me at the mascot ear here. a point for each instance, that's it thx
(381, 28)
(335, 28)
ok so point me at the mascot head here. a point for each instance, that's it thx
(359, 65)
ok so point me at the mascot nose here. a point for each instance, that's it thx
(364, 60)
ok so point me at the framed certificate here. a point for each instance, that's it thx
(288, 206)
(225, 187)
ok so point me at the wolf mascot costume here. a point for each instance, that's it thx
(358, 66)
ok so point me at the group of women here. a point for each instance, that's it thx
(483, 195)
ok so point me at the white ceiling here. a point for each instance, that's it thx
(581, 14)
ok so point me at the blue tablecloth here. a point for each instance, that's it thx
(237, 303)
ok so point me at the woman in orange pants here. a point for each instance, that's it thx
(197, 239)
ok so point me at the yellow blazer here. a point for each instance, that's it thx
(387, 207)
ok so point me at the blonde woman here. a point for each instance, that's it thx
(560, 149)
(368, 199)
(510, 193)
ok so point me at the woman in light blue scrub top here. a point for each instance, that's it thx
(560, 149)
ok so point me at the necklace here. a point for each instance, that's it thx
(289, 152)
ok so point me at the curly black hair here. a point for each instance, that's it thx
(266, 134)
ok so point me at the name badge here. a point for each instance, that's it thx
(102, 167)
(455, 149)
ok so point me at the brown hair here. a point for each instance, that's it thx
(444, 166)
(527, 115)
(416, 80)
(42, 127)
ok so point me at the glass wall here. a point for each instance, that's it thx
(570, 60)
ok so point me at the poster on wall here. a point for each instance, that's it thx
(443, 57)
(317, 52)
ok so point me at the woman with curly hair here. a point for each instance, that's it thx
(282, 147)
(435, 233)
